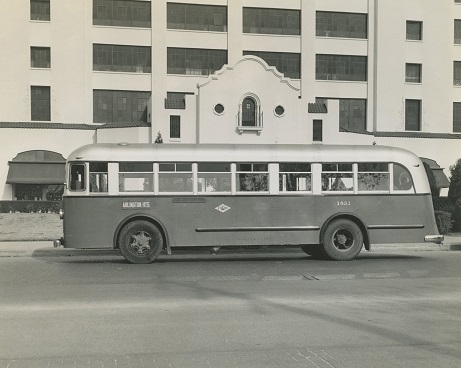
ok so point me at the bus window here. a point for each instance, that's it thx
(98, 177)
(214, 177)
(77, 177)
(373, 176)
(402, 178)
(295, 177)
(337, 178)
(136, 177)
(175, 177)
(252, 178)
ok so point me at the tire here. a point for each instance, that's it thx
(140, 242)
(342, 240)
(315, 251)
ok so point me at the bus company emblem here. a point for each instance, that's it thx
(222, 208)
(132, 205)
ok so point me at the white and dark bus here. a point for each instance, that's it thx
(329, 200)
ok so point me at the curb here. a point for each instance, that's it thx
(45, 249)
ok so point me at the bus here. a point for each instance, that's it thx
(329, 200)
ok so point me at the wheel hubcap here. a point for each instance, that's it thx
(343, 239)
(140, 242)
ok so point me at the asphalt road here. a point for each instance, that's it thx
(390, 309)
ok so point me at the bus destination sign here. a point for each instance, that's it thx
(130, 205)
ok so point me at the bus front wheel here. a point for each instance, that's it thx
(342, 240)
(140, 242)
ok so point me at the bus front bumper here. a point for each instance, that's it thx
(438, 239)
(57, 243)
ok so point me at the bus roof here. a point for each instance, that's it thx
(113, 152)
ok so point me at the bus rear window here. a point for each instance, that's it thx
(77, 177)
(402, 178)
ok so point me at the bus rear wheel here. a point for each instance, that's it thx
(140, 242)
(342, 240)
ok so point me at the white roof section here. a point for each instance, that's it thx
(242, 153)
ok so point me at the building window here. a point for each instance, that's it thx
(121, 58)
(40, 57)
(287, 63)
(317, 130)
(457, 36)
(457, 117)
(39, 9)
(413, 73)
(120, 106)
(219, 109)
(195, 61)
(342, 25)
(413, 115)
(271, 21)
(457, 73)
(414, 30)
(352, 113)
(40, 103)
(279, 111)
(122, 13)
(175, 126)
(341, 67)
(197, 17)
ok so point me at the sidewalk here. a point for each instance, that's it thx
(45, 248)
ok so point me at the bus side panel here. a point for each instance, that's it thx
(91, 222)
(247, 220)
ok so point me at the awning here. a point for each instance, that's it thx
(36, 173)
(440, 178)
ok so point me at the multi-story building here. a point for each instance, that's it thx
(223, 71)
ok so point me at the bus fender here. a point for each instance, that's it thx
(347, 215)
(151, 219)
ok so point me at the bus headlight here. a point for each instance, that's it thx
(61, 214)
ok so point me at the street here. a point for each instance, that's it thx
(384, 309)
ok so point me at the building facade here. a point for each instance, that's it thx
(224, 71)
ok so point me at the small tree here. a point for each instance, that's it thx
(454, 191)
(159, 138)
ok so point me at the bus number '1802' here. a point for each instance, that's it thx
(343, 203)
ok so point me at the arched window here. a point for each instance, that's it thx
(249, 112)
(250, 116)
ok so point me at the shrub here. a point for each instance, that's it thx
(444, 222)
(30, 206)
(443, 204)
(454, 191)
(457, 216)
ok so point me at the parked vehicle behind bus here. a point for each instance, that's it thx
(329, 200)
